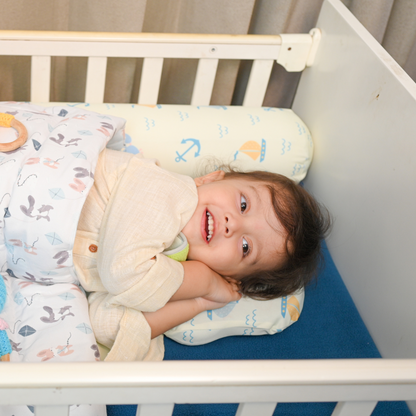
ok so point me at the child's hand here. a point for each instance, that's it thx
(223, 290)
(207, 305)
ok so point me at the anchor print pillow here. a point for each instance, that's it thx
(244, 317)
(183, 137)
(271, 139)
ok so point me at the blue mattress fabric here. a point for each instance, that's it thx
(329, 327)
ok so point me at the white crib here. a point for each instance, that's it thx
(345, 110)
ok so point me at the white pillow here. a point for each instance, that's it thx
(180, 136)
(244, 317)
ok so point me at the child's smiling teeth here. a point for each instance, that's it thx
(210, 226)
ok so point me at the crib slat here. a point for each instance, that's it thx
(354, 408)
(255, 409)
(94, 91)
(150, 80)
(257, 83)
(204, 81)
(155, 409)
(51, 410)
(40, 79)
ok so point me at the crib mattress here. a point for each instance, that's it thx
(330, 327)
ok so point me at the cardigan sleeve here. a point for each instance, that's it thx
(147, 208)
(124, 331)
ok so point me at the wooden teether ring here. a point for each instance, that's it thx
(7, 120)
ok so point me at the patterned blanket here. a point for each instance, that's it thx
(43, 186)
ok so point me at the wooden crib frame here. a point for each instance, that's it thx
(356, 385)
(294, 52)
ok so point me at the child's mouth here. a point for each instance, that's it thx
(209, 226)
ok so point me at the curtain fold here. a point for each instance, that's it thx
(400, 34)
(197, 16)
(391, 22)
(272, 18)
(373, 14)
(105, 16)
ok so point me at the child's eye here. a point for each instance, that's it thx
(246, 248)
(243, 203)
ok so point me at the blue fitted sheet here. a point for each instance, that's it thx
(329, 327)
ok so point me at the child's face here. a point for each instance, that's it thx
(246, 236)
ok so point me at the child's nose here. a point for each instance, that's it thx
(231, 225)
(227, 229)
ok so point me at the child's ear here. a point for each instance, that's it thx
(217, 175)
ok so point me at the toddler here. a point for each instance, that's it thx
(256, 234)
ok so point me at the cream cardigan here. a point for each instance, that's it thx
(133, 212)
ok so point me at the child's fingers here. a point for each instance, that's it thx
(232, 281)
(235, 291)
(237, 295)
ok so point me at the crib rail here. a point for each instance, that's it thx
(294, 52)
(258, 386)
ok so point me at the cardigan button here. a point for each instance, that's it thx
(93, 248)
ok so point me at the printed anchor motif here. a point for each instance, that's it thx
(194, 142)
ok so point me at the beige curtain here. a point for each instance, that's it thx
(391, 22)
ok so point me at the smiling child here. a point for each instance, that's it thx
(255, 234)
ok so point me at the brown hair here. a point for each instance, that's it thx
(306, 223)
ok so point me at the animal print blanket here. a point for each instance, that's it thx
(43, 186)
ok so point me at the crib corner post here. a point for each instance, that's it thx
(316, 38)
(298, 51)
